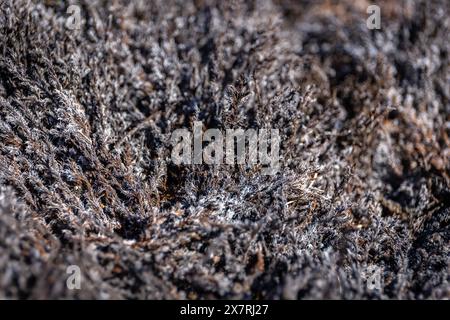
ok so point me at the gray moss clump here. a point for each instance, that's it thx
(86, 176)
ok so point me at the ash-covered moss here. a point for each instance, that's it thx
(85, 170)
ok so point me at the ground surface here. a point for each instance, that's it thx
(85, 171)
